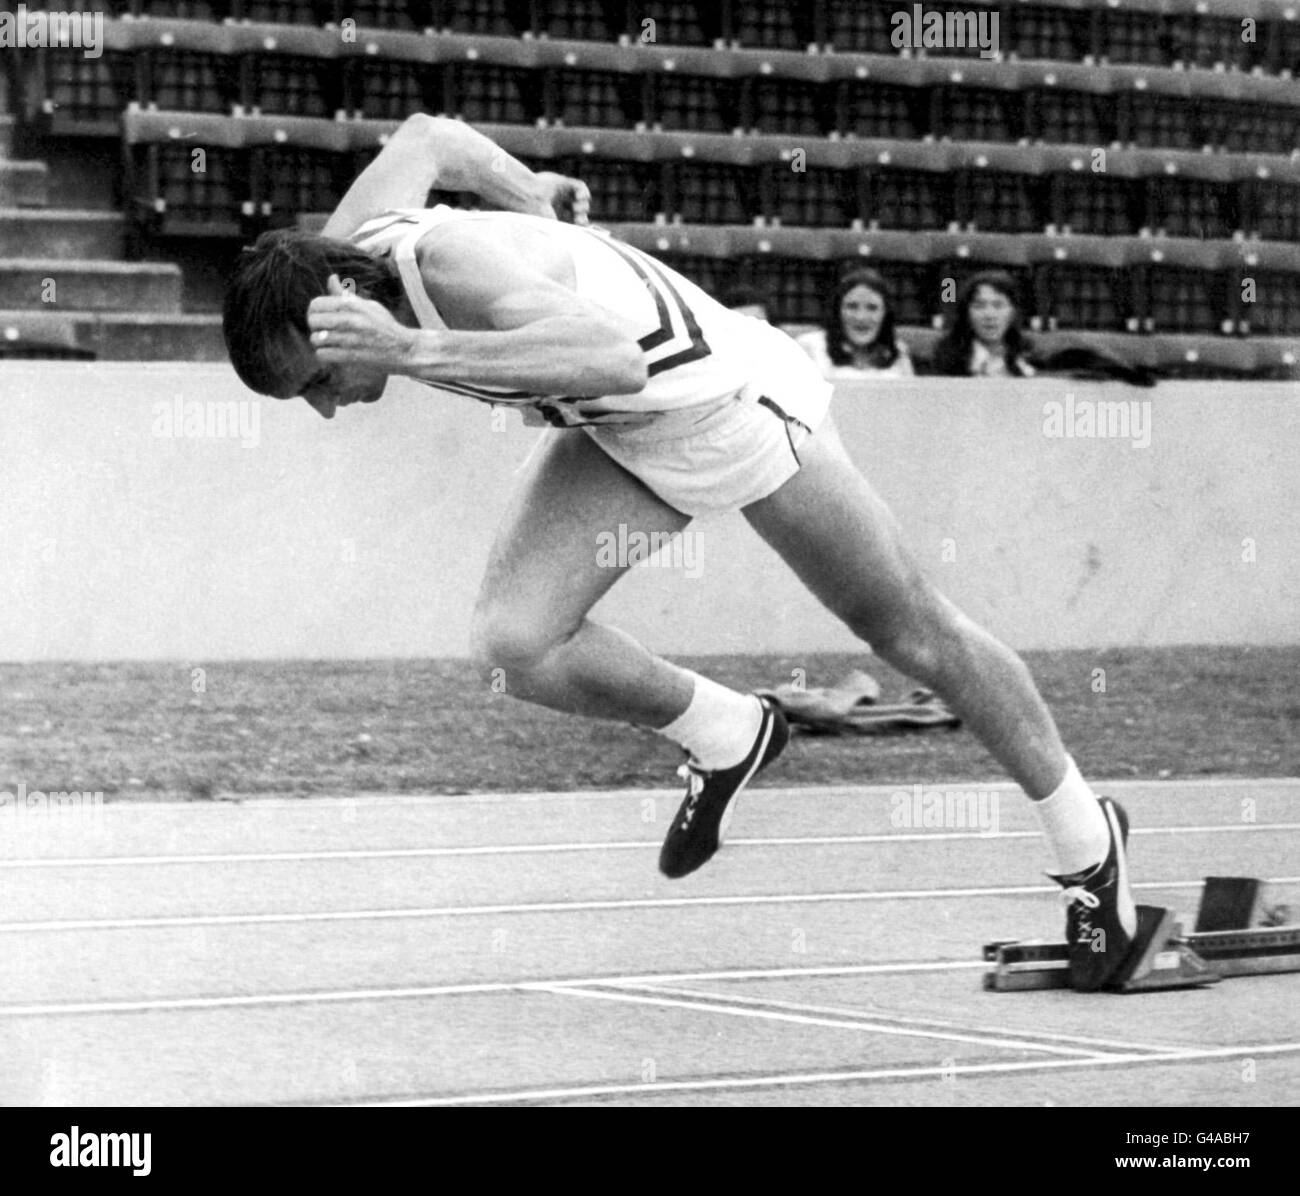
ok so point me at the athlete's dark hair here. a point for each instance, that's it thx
(883, 351)
(952, 353)
(273, 282)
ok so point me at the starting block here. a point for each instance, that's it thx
(1238, 933)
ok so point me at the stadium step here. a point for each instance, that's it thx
(24, 184)
(133, 337)
(115, 336)
(38, 335)
(25, 232)
(90, 285)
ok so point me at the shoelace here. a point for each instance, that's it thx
(694, 779)
(1088, 901)
(1081, 895)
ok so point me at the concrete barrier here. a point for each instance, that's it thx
(162, 512)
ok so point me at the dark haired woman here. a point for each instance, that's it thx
(858, 338)
(985, 341)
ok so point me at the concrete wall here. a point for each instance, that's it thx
(124, 537)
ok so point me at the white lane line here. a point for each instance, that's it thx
(1165, 786)
(803, 1079)
(396, 853)
(737, 1009)
(554, 907)
(339, 996)
(1106, 1046)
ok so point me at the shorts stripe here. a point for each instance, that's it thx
(786, 420)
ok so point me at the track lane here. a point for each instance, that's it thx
(317, 1036)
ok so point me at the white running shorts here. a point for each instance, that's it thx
(726, 455)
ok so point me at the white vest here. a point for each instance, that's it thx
(697, 351)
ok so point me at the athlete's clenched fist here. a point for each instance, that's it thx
(570, 199)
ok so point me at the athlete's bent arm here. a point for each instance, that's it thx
(428, 151)
(519, 326)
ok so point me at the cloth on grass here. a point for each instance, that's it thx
(853, 707)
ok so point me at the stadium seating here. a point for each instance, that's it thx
(79, 252)
(1115, 158)
(208, 66)
(1192, 33)
(720, 179)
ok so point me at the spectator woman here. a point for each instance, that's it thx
(858, 339)
(985, 340)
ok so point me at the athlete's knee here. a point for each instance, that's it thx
(504, 637)
(919, 635)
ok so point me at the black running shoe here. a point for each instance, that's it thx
(696, 832)
(1101, 919)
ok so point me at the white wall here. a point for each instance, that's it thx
(367, 536)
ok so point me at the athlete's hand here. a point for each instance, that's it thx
(345, 327)
(569, 198)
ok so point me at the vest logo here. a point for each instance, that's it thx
(75, 1149)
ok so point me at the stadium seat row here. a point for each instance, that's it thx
(1203, 33)
(901, 195)
(189, 66)
(1172, 355)
(215, 173)
(1135, 285)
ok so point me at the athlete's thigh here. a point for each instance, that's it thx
(838, 535)
(547, 559)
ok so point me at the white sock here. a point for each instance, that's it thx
(719, 727)
(1072, 820)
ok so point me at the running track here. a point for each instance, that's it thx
(504, 949)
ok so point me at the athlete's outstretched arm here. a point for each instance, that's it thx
(518, 325)
(428, 151)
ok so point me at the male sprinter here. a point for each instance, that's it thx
(666, 406)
